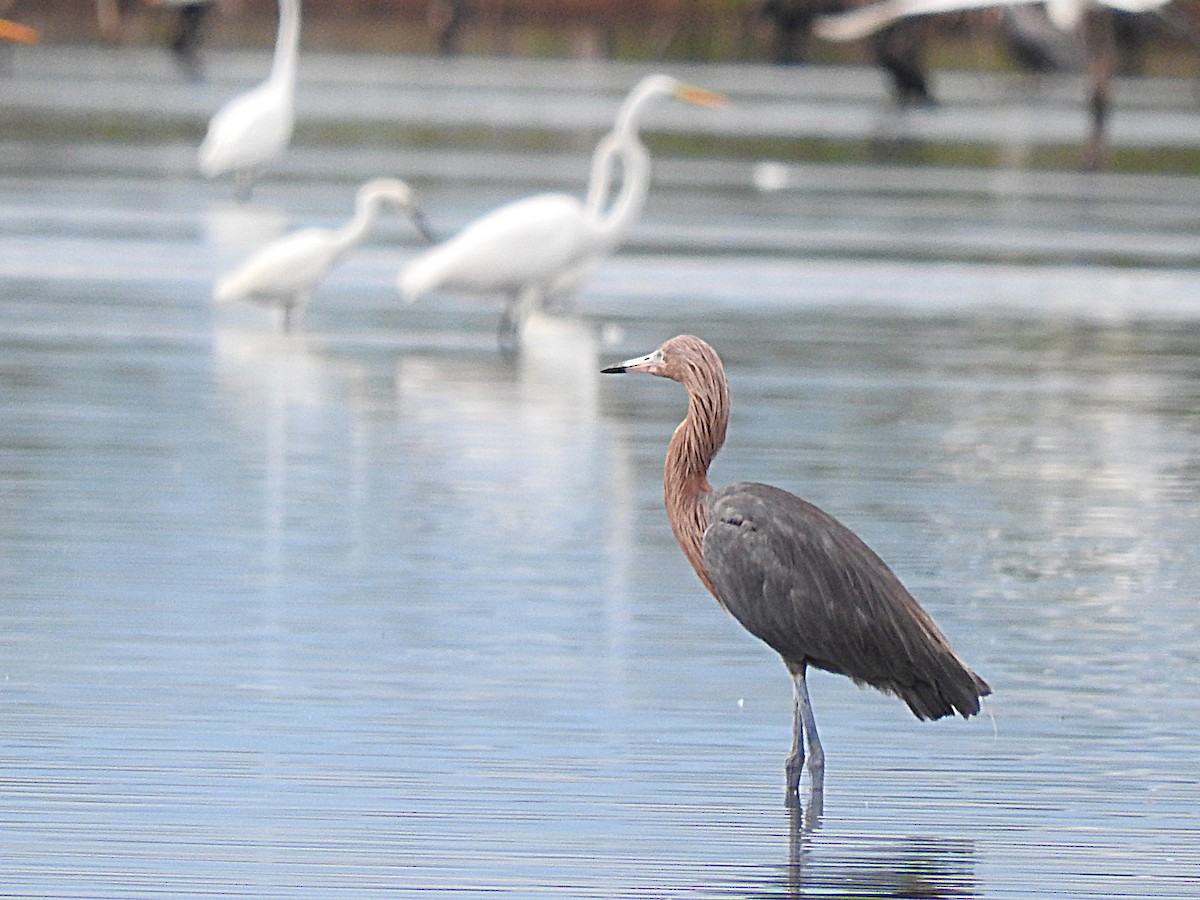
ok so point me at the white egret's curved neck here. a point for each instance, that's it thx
(366, 214)
(601, 176)
(287, 43)
(631, 109)
(622, 143)
(613, 225)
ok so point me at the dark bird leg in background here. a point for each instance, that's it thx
(1100, 50)
(897, 49)
(792, 22)
(188, 36)
(508, 332)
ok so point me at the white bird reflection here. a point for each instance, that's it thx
(450, 471)
(237, 226)
(524, 464)
(298, 411)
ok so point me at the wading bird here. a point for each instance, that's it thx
(1092, 18)
(793, 575)
(287, 271)
(543, 247)
(253, 128)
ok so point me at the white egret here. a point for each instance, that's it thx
(287, 271)
(866, 20)
(255, 127)
(1066, 15)
(545, 246)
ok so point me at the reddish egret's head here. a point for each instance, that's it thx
(686, 359)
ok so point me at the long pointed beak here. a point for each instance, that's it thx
(422, 225)
(645, 363)
(692, 94)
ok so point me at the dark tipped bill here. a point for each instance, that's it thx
(638, 364)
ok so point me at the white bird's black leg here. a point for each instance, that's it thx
(508, 332)
(517, 308)
(293, 311)
(243, 185)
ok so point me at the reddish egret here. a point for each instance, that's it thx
(255, 127)
(287, 271)
(793, 575)
(543, 247)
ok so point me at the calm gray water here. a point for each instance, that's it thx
(372, 611)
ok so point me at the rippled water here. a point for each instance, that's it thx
(371, 610)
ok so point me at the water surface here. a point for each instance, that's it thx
(371, 609)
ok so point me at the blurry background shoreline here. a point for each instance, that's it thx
(663, 30)
(834, 108)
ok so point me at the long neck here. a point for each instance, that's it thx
(366, 212)
(287, 43)
(685, 476)
(601, 176)
(625, 210)
(621, 143)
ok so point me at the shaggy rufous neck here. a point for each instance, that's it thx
(695, 442)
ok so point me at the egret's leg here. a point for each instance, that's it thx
(816, 754)
(243, 185)
(517, 309)
(293, 313)
(508, 333)
(795, 761)
(1100, 51)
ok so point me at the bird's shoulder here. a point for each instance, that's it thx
(794, 575)
(248, 130)
(523, 240)
(762, 511)
(541, 212)
(302, 249)
(241, 110)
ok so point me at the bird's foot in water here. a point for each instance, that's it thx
(794, 767)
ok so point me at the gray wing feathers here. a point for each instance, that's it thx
(805, 584)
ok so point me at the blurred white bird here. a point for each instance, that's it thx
(287, 271)
(1066, 15)
(255, 127)
(866, 20)
(544, 247)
